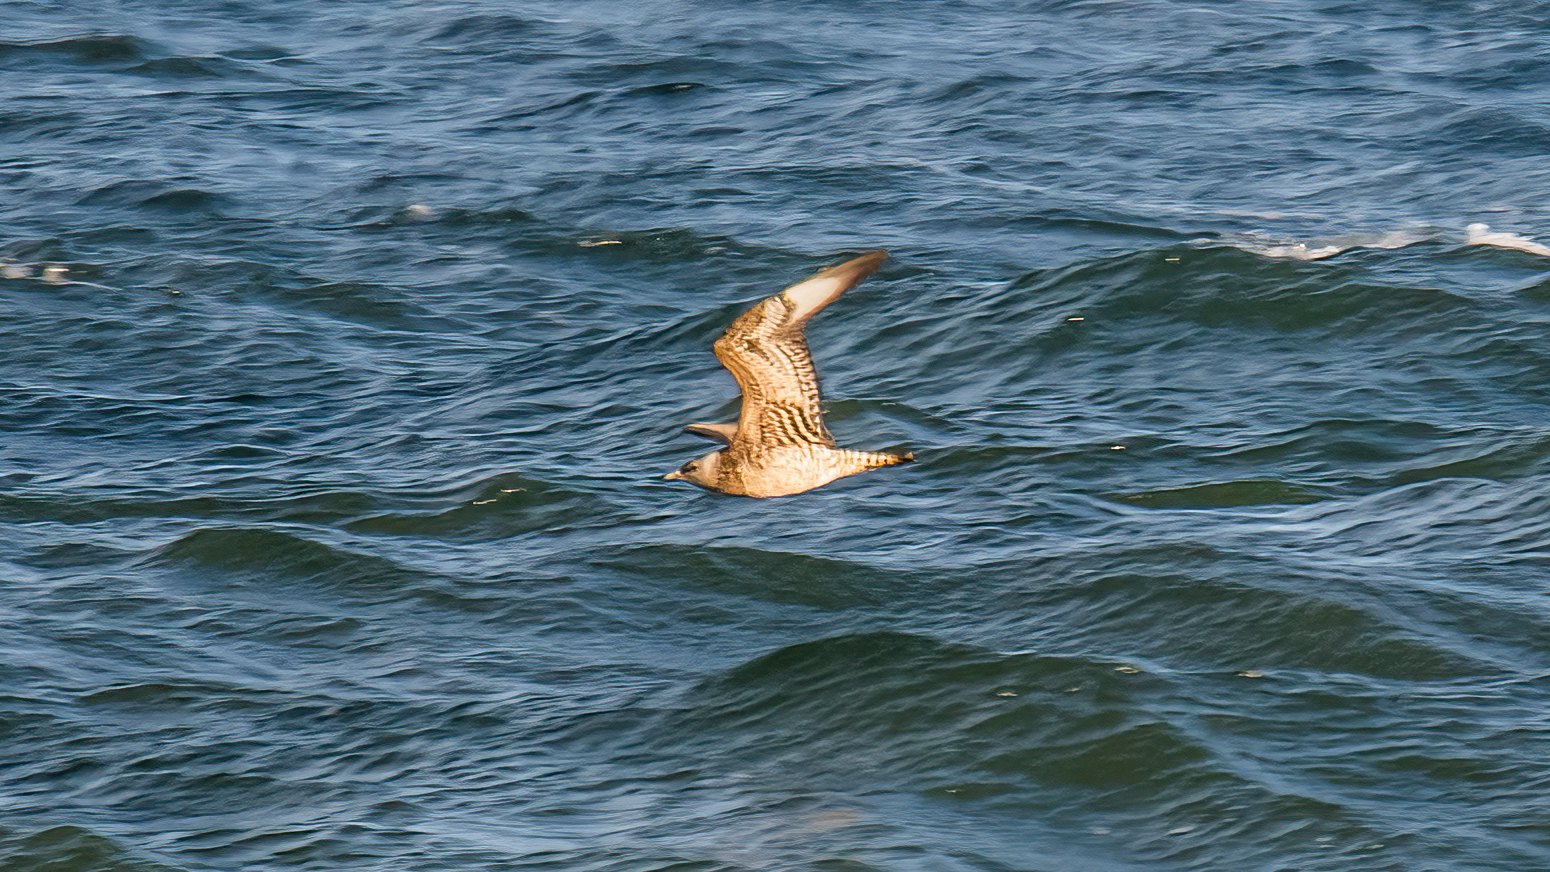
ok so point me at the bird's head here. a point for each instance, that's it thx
(701, 472)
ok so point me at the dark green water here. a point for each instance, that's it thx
(332, 533)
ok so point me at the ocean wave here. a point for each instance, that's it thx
(35, 124)
(277, 556)
(159, 196)
(1504, 457)
(72, 507)
(179, 68)
(1498, 129)
(131, 55)
(1326, 247)
(1222, 494)
(1466, 518)
(347, 344)
(486, 30)
(503, 506)
(70, 846)
(760, 574)
(103, 48)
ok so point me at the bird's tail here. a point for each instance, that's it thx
(874, 459)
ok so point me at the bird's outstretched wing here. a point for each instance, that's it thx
(766, 351)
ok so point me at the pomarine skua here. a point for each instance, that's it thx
(779, 445)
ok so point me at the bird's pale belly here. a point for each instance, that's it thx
(785, 471)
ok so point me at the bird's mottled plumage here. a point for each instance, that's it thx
(780, 445)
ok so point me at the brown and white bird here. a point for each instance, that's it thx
(779, 445)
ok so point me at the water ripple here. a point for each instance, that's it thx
(347, 345)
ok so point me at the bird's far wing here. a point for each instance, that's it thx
(723, 433)
(766, 351)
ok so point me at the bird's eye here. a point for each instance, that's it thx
(690, 467)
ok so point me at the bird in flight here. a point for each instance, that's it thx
(779, 445)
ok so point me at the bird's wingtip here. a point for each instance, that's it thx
(859, 267)
(827, 284)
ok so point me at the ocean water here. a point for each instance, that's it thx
(345, 345)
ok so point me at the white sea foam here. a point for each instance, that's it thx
(53, 273)
(1298, 251)
(1319, 249)
(1480, 234)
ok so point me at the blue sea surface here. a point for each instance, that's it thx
(345, 345)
